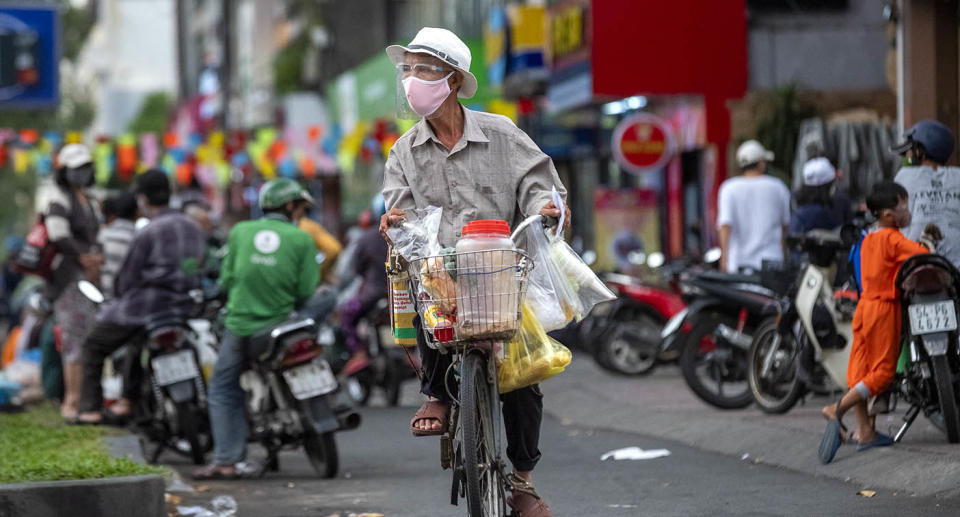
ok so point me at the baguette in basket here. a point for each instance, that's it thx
(438, 284)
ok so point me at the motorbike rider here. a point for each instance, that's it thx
(270, 267)
(474, 165)
(162, 266)
(368, 261)
(934, 188)
(819, 204)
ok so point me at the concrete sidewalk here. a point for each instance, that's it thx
(662, 405)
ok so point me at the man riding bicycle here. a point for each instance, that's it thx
(269, 269)
(474, 165)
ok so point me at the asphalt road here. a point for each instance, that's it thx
(386, 471)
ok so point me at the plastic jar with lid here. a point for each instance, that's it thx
(487, 302)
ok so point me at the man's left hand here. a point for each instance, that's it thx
(551, 210)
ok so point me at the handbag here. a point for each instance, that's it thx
(38, 253)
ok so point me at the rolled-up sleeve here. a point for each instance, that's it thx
(396, 189)
(538, 176)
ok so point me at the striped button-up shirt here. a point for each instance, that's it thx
(162, 266)
(495, 171)
(114, 241)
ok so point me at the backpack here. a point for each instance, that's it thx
(38, 253)
(853, 261)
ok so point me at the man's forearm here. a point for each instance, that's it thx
(724, 232)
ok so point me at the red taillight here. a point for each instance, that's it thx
(300, 351)
(166, 339)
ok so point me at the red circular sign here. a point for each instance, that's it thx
(642, 143)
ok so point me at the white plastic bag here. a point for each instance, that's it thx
(551, 295)
(562, 287)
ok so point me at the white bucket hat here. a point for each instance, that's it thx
(751, 152)
(444, 45)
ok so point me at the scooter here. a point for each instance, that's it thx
(713, 335)
(625, 332)
(930, 286)
(805, 347)
(171, 410)
(293, 397)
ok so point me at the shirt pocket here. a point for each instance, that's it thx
(494, 196)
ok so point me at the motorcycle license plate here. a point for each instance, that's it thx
(310, 380)
(928, 318)
(172, 368)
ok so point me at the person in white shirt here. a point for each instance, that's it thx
(754, 212)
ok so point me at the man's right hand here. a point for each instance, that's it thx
(391, 218)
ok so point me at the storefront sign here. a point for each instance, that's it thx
(568, 33)
(496, 45)
(29, 56)
(642, 143)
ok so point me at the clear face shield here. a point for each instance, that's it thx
(404, 111)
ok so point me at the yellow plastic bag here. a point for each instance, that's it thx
(531, 356)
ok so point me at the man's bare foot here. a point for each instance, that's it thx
(90, 417)
(120, 408)
(429, 424)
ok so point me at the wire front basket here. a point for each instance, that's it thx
(470, 296)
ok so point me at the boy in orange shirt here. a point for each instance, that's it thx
(876, 323)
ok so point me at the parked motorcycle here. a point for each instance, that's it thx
(390, 365)
(930, 285)
(171, 409)
(805, 347)
(293, 397)
(626, 332)
(714, 333)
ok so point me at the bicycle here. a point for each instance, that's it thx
(488, 293)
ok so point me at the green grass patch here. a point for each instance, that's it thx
(38, 446)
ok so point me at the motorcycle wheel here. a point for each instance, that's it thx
(321, 450)
(700, 350)
(190, 430)
(947, 393)
(631, 348)
(781, 390)
(392, 380)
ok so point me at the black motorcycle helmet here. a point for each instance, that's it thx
(929, 140)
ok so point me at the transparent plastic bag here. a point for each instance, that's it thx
(550, 293)
(531, 356)
(588, 286)
(417, 236)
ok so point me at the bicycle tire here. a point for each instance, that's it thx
(484, 494)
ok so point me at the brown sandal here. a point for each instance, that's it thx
(431, 410)
(214, 472)
(524, 500)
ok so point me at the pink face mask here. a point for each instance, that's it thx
(425, 97)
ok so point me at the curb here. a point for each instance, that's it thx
(131, 495)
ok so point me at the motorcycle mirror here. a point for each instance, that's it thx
(140, 223)
(712, 255)
(589, 257)
(656, 259)
(90, 291)
(196, 295)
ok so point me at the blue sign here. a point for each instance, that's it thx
(29, 57)
(497, 45)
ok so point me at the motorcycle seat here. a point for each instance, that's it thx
(168, 321)
(729, 278)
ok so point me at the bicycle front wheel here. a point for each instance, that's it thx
(484, 486)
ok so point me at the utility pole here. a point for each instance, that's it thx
(183, 89)
(226, 64)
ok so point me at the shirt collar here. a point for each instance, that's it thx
(277, 217)
(471, 129)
